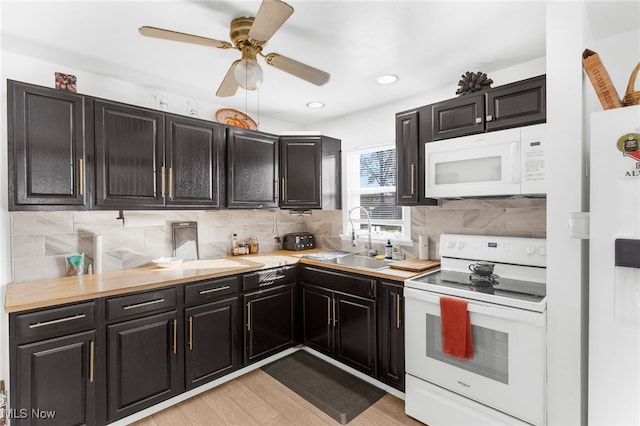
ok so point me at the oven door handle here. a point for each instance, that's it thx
(521, 315)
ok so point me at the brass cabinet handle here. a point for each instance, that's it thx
(162, 182)
(249, 316)
(175, 336)
(276, 190)
(91, 360)
(413, 183)
(284, 189)
(329, 312)
(171, 183)
(81, 176)
(335, 319)
(397, 310)
(190, 333)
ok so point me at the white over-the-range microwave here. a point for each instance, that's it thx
(502, 163)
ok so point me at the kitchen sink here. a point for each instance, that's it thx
(357, 261)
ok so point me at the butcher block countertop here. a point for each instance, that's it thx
(24, 296)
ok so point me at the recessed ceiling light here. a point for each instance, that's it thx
(387, 79)
(315, 104)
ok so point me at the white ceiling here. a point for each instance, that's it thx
(429, 44)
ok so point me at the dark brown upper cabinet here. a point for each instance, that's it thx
(147, 159)
(407, 153)
(310, 172)
(129, 156)
(411, 125)
(513, 105)
(49, 146)
(252, 169)
(517, 104)
(195, 163)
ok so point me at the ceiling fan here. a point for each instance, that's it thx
(249, 35)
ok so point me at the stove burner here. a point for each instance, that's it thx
(478, 280)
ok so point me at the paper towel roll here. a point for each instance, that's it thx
(137, 220)
(97, 254)
(423, 247)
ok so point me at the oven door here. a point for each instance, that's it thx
(507, 371)
(477, 165)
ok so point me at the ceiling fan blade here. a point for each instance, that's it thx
(229, 85)
(300, 70)
(183, 37)
(270, 17)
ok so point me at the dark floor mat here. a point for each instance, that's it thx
(339, 394)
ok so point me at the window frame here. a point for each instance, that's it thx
(352, 199)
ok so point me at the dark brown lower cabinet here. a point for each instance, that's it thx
(340, 325)
(269, 317)
(142, 363)
(391, 333)
(56, 381)
(212, 332)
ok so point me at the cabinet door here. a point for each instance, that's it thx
(407, 141)
(252, 161)
(317, 318)
(129, 156)
(300, 172)
(269, 319)
(355, 332)
(47, 142)
(212, 333)
(142, 366)
(391, 335)
(458, 116)
(56, 380)
(195, 162)
(517, 104)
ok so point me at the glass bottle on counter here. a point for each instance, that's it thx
(234, 245)
(254, 247)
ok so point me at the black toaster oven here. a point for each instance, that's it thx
(298, 241)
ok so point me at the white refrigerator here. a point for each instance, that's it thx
(614, 268)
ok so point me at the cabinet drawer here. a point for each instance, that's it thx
(351, 284)
(140, 303)
(269, 277)
(210, 290)
(55, 321)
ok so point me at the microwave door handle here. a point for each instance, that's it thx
(514, 163)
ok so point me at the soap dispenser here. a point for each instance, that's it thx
(387, 250)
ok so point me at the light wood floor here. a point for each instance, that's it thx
(258, 399)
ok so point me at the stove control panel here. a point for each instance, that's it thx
(517, 250)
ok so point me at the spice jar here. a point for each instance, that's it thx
(253, 246)
(243, 248)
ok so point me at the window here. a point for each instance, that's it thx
(371, 184)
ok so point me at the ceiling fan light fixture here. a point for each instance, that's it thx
(315, 104)
(248, 74)
(386, 79)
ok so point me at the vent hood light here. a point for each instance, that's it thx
(315, 105)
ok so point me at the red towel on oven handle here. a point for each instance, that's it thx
(456, 328)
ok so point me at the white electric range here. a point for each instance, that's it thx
(505, 380)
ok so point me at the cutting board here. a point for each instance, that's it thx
(415, 265)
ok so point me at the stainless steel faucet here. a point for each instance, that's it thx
(370, 251)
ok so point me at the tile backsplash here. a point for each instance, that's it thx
(41, 240)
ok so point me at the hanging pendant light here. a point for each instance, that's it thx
(248, 73)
